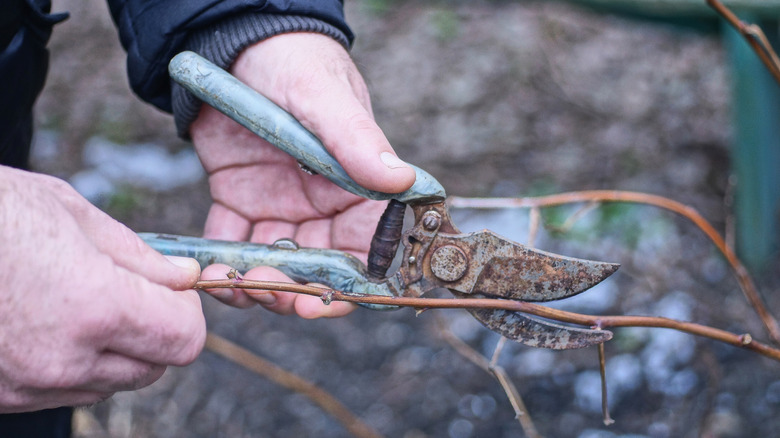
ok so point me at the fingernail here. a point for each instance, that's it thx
(184, 262)
(392, 161)
(263, 297)
(223, 295)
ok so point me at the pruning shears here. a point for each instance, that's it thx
(435, 253)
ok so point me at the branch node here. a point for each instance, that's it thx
(234, 275)
(327, 297)
(745, 339)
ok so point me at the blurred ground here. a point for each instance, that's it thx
(494, 99)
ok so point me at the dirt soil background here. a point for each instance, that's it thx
(494, 99)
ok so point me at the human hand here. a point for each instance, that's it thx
(259, 192)
(87, 308)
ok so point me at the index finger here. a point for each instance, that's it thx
(153, 323)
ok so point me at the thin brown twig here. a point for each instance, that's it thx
(322, 398)
(462, 348)
(604, 399)
(497, 352)
(745, 341)
(491, 366)
(753, 35)
(568, 224)
(533, 226)
(744, 279)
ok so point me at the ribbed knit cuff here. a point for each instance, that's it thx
(224, 41)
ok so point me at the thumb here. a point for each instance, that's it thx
(312, 76)
(130, 252)
(350, 134)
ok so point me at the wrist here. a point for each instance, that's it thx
(224, 41)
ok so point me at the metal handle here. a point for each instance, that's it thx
(335, 269)
(261, 116)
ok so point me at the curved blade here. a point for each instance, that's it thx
(502, 268)
(537, 332)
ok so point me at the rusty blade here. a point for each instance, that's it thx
(502, 268)
(537, 332)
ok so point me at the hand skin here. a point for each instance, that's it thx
(259, 192)
(87, 308)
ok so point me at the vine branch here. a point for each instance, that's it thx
(492, 368)
(322, 398)
(753, 35)
(745, 341)
(746, 283)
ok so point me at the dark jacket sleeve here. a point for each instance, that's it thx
(153, 31)
(25, 28)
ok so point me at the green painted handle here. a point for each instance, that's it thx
(335, 269)
(261, 116)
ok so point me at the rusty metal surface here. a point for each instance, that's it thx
(536, 332)
(485, 263)
(437, 255)
(502, 268)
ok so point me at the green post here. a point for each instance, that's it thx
(756, 148)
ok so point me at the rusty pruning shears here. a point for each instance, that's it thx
(435, 253)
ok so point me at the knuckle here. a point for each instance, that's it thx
(129, 241)
(64, 192)
(359, 122)
(52, 183)
(98, 322)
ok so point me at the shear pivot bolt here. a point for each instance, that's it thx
(449, 263)
(431, 220)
